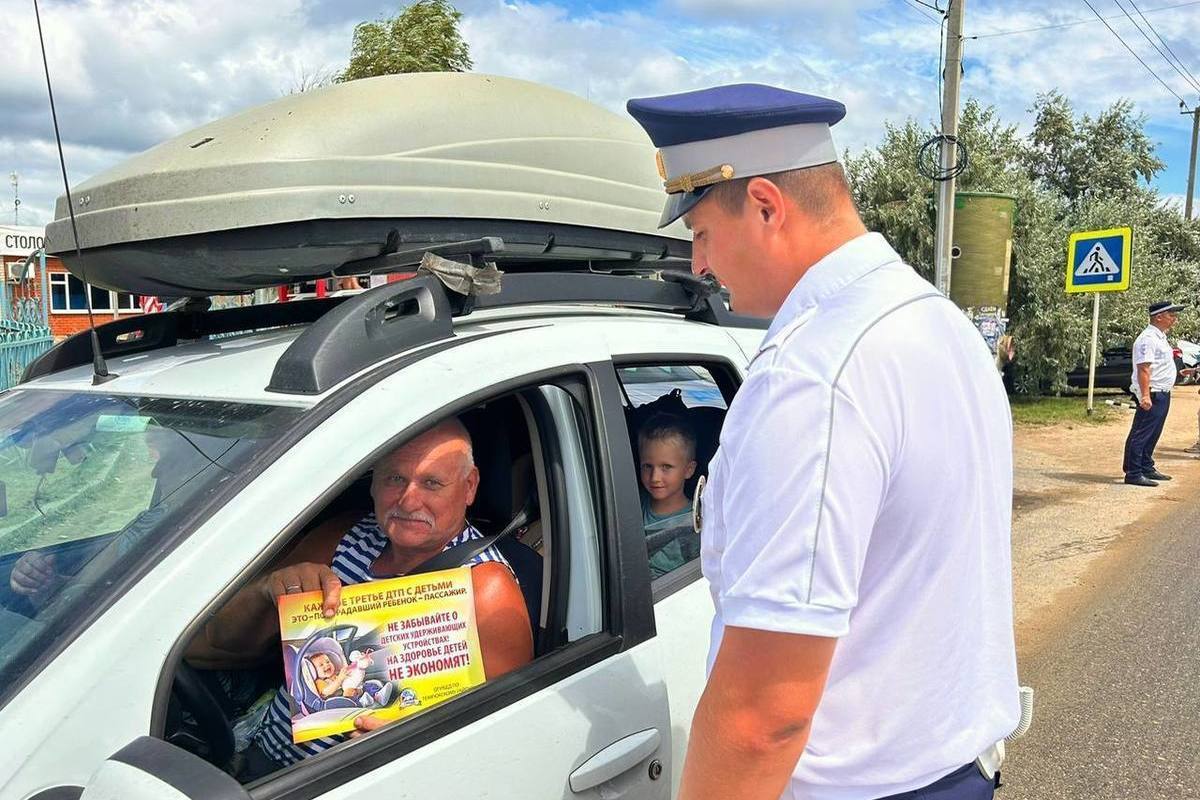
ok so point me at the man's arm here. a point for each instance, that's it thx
(247, 626)
(753, 719)
(503, 623)
(1143, 371)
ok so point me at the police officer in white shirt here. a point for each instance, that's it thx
(1153, 377)
(856, 523)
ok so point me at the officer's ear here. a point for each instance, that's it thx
(766, 202)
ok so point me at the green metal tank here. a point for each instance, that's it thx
(982, 250)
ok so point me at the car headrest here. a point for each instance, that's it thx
(705, 421)
(499, 438)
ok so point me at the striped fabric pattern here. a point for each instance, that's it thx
(352, 561)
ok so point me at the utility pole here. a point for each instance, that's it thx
(944, 240)
(1191, 192)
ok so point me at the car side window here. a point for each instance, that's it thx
(674, 413)
(526, 477)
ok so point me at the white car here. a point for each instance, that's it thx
(153, 496)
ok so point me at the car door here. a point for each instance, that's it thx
(683, 608)
(587, 720)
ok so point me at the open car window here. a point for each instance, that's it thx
(88, 484)
(674, 414)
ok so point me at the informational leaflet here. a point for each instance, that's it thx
(395, 647)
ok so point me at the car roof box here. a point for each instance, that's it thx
(294, 188)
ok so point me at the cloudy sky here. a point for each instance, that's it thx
(130, 73)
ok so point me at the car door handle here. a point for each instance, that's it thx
(623, 754)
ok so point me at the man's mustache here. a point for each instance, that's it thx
(416, 516)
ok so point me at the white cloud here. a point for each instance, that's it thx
(610, 58)
(130, 74)
(1178, 202)
(766, 10)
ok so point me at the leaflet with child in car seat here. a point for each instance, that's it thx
(395, 647)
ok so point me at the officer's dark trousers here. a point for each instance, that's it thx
(965, 783)
(1143, 436)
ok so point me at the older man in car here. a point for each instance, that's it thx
(421, 492)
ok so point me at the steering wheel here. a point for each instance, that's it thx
(215, 728)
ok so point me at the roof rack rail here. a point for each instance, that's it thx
(144, 332)
(347, 334)
(378, 323)
(392, 259)
(395, 317)
(679, 292)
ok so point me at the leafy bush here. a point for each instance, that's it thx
(1070, 173)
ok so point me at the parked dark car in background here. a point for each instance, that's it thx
(1114, 369)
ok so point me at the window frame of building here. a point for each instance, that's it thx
(62, 281)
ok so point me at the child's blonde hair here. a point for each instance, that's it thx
(663, 426)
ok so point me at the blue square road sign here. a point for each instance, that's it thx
(1099, 261)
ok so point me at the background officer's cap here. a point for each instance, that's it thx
(1164, 306)
(728, 132)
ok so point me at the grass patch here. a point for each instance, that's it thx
(1059, 410)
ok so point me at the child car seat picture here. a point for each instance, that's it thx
(321, 676)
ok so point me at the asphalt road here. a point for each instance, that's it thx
(1117, 703)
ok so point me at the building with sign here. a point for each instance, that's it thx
(67, 296)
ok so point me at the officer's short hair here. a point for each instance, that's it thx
(669, 426)
(817, 190)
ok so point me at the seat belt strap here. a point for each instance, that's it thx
(462, 553)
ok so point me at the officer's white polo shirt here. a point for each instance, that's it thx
(863, 490)
(1152, 347)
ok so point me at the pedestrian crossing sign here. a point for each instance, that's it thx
(1099, 261)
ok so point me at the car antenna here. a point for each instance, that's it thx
(100, 373)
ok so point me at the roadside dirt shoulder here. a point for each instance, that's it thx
(1074, 520)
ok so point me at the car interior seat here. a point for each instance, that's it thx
(705, 422)
(304, 690)
(500, 441)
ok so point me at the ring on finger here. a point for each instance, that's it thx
(292, 587)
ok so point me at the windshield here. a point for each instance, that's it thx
(90, 484)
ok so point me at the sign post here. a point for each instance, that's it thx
(1092, 359)
(1098, 261)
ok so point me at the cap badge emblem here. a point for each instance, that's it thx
(696, 180)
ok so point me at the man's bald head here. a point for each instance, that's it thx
(450, 433)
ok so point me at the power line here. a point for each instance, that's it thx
(915, 6)
(933, 6)
(1146, 36)
(1077, 22)
(1164, 41)
(1182, 102)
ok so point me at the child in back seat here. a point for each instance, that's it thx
(667, 459)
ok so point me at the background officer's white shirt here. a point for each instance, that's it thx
(1151, 347)
(863, 490)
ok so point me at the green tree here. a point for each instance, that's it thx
(898, 201)
(423, 37)
(1071, 173)
(1090, 158)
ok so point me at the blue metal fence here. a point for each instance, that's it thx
(24, 318)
